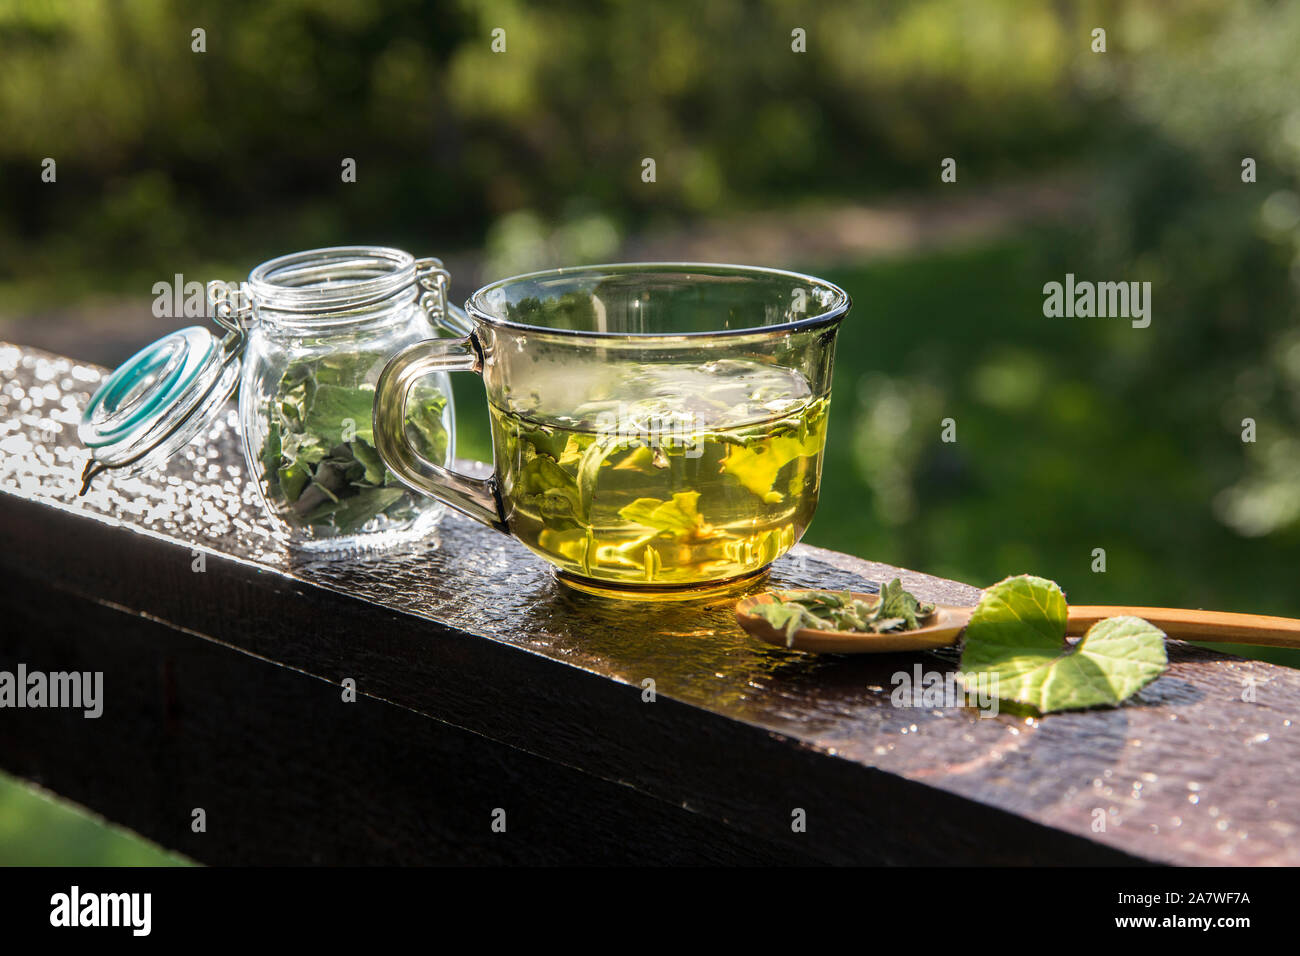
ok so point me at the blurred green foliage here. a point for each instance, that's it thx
(1073, 434)
(171, 160)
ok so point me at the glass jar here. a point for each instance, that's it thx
(326, 322)
(307, 337)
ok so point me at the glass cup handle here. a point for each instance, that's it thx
(476, 497)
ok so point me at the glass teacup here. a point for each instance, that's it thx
(658, 428)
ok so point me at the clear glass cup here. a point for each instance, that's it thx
(323, 323)
(658, 428)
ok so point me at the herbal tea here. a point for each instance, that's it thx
(661, 474)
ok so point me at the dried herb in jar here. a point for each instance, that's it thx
(320, 465)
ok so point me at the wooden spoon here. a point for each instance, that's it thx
(944, 626)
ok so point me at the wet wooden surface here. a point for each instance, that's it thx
(483, 685)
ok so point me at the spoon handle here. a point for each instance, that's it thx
(1221, 627)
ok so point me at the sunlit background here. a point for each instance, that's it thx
(1072, 434)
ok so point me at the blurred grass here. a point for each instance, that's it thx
(37, 829)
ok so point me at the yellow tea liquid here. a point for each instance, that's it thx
(662, 474)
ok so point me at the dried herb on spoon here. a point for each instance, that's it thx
(895, 610)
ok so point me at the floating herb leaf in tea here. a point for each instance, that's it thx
(321, 469)
(895, 610)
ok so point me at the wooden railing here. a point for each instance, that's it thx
(488, 696)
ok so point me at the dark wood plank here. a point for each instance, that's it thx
(472, 634)
(286, 772)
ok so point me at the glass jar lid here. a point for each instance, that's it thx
(165, 394)
(158, 400)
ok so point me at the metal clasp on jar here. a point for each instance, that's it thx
(432, 277)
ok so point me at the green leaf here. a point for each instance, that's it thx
(334, 407)
(424, 425)
(271, 450)
(838, 610)
(323, 478)
(679, 516)
(1017, 636)
(293, 478)
(545, 441)
(370, 458)
(789, 618)
(294, 395)
(302, 448)
(757, 467)
(589, 465)
(574, 448)
(896, 603)
(349, 514)
(550, 490)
